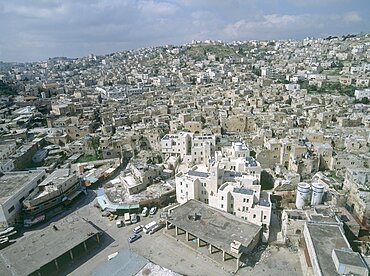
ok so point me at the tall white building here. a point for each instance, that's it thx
(237, 158)
(188, 147)
(231, 182)
(15, 187)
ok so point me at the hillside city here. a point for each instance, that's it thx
(208, 158)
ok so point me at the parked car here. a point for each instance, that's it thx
(134, 237)
(112, 217)
(119, 223)
(156, 228)
(153, 210)
(144, 213)
(133, 218)
(138, 229)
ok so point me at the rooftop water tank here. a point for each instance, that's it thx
(303, 194)
(317, 193)
(238, 146)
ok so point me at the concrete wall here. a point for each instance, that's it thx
(311, 252)
(8, 218)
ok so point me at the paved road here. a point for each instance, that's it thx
(161, 249)
(158, 248)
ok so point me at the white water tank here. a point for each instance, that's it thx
(303, 194)
(317, 193)
(238, 146)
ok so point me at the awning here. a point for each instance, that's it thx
(104, 204)
(74, 195)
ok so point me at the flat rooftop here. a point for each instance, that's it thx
(57, 178)
(349, 258)
(325, 238)
(11, 182)
(214, 226)
(31, 252)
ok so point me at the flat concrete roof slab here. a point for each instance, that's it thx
(214, 226)
(31, 252)
(11, 182)
(325, 238)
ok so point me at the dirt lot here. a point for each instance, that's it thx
(273, 260)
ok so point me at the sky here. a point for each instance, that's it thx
(33, 30)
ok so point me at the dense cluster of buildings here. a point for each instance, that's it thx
(248, 128)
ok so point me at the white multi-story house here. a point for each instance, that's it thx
(230, 183)
(177, 145)
(237, 158)
(188, 147)
(7, 149)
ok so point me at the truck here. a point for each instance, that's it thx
(127, 218)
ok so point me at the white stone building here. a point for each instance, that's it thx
(230, 183)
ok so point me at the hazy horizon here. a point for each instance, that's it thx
(45, 29)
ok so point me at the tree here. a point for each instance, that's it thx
(6, 89)
(95, 141)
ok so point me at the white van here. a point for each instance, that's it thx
(127, 219)
(155, 228)
(149, 227)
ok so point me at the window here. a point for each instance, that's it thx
(222, 198)
(181, 191)
(254, 216)
(186, 185)
(22, 198)
(11, 209)
(232, 205)
(247, 200)
(222, 206)
(244, 199)
(243, 208)
(264, 217)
